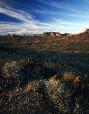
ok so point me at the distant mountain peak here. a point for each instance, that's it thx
(87, 30)
(53, 34)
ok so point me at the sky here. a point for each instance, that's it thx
(38, 16)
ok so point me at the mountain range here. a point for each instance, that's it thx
(49, 41)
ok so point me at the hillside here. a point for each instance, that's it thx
(51, 41)
(61, 51)
(44, 74)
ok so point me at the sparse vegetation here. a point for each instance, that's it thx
(46, 86)
(69, 76)
(39, 95)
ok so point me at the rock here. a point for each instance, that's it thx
(77, 81)
(28, 88)
(51, 34)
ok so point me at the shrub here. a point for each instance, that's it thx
(69, 76)
(11, 69)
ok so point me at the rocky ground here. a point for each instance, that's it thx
(30, 88)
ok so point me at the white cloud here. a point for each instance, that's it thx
(83, 15)
(18, 14)
(29, 25)
(60, 5)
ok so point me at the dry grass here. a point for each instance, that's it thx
(69, 76)
(28, 88)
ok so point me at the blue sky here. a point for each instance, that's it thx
(38, 16)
